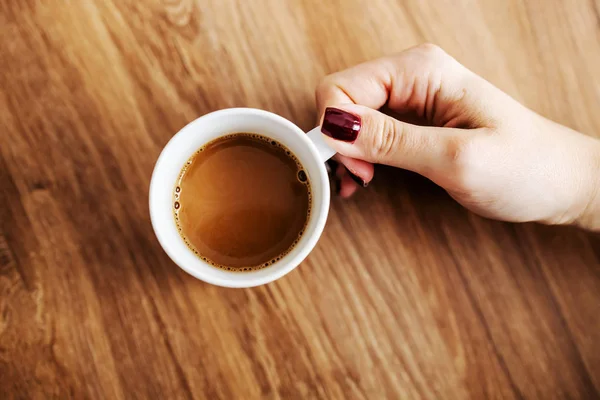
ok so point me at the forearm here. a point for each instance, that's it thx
(590, 217)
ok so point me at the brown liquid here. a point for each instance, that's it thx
(242, 202)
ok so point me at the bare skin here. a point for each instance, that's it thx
(490, 153)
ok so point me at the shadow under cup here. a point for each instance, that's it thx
(203, 130)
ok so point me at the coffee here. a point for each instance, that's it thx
(242, 202)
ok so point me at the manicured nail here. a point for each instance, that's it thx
(357, 179)
(340, 125)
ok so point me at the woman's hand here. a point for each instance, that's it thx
(493, 155)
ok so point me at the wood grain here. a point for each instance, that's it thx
(407, 295)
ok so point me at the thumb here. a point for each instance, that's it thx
(363, 133)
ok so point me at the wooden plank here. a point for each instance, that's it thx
(407, 295)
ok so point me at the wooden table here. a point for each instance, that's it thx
(407, 295)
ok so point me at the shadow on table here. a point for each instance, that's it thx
(416, 201)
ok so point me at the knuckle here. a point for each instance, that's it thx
(386, 139)
(327, 82)
(431, 50)
(325, 90)
(324, 84)
(464, 155)
(434, 56)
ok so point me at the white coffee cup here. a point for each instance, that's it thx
(310, 149)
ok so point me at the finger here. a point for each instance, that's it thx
(362, 133)
(423, 80)
(360, 171)
(329, 93)
(348, 186)
(342, 185)
(366, 84)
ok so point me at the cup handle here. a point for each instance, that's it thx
(316, 137)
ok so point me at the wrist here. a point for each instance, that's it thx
(590, 217)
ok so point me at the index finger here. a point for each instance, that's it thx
(367, 84)
(423, 80)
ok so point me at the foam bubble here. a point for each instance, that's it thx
(302, 176)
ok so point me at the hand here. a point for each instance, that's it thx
(490, 153)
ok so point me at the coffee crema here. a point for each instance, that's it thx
(242, 202)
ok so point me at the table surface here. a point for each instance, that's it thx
(407, 295)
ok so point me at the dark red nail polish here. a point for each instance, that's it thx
(357, 179)
(340, 125)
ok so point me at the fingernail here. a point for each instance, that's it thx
(340, 125)
(357, 179)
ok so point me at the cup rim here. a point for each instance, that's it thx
(320, 211)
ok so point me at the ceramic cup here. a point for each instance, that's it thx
(310, 149)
